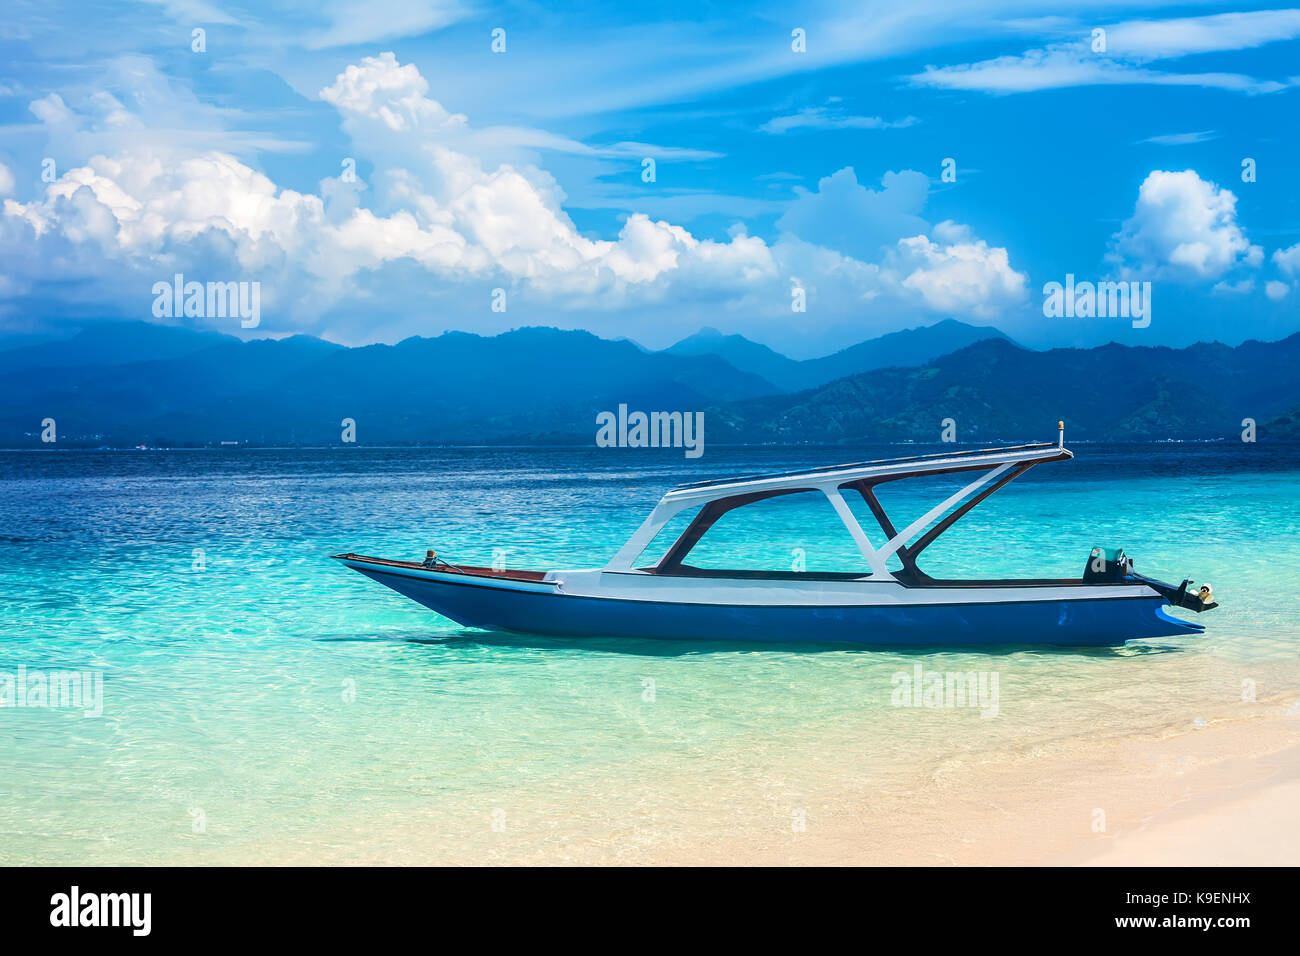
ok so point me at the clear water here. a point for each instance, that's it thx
(264, 704)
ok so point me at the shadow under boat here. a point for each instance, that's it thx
(661, 647)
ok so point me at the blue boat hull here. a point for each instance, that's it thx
(1072, 623)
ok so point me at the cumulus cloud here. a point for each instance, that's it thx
(1183, 228)
(854, 219)
(384, 89)
(451, 216)
(1288, 260)
(1288, 263)
(440, 216)
(955, 272)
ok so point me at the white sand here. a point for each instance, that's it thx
(1227, 793)
(1260, 827)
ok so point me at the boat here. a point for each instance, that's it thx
(888, 601)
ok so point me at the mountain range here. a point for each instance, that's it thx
(116, 384)
(994, 391)
(908, 347)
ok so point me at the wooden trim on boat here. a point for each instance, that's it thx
(469, 570)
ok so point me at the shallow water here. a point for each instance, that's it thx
(263, 703)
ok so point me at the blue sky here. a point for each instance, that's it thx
(774, 170)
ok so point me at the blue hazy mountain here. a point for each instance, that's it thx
(1285, 426)
(134, 383)
(110, 343)
(908, 347)
(457, 387)
(995, 390)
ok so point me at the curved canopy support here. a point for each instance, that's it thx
(997, 467)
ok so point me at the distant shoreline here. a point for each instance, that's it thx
(62, 447)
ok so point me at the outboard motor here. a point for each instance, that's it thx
(1113, 566)
(1107, 566)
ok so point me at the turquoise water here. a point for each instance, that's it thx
(262, 703)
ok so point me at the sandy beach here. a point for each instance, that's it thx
(1252, 823)
(1220, 794)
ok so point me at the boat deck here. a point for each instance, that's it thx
(902, 576)
(686, 571)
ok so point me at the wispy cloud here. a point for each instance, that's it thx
(130, 101)
(1166, 39)
(1180, 139)
(819, 117)
(1125, 54)
(196, 12)
(524, 137)
(353, 24)
(1072, 65)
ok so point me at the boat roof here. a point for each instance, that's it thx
(938, 463)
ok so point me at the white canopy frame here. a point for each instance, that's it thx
(997, 466)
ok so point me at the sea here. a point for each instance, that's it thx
(218, 690)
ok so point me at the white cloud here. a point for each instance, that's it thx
(395, 94)
(959, 273)
(387, 110)
(1288, 263)
(1180, 139)
(1288, 260)
(819, 117)
(1240, 287)
(6, 180)
(1129, 49)
(1183, 228)
(194, 12)
(353, 24)
(849, 217)
(84, 121)
(1074, 65)
(1183, 36)
(440, 224)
